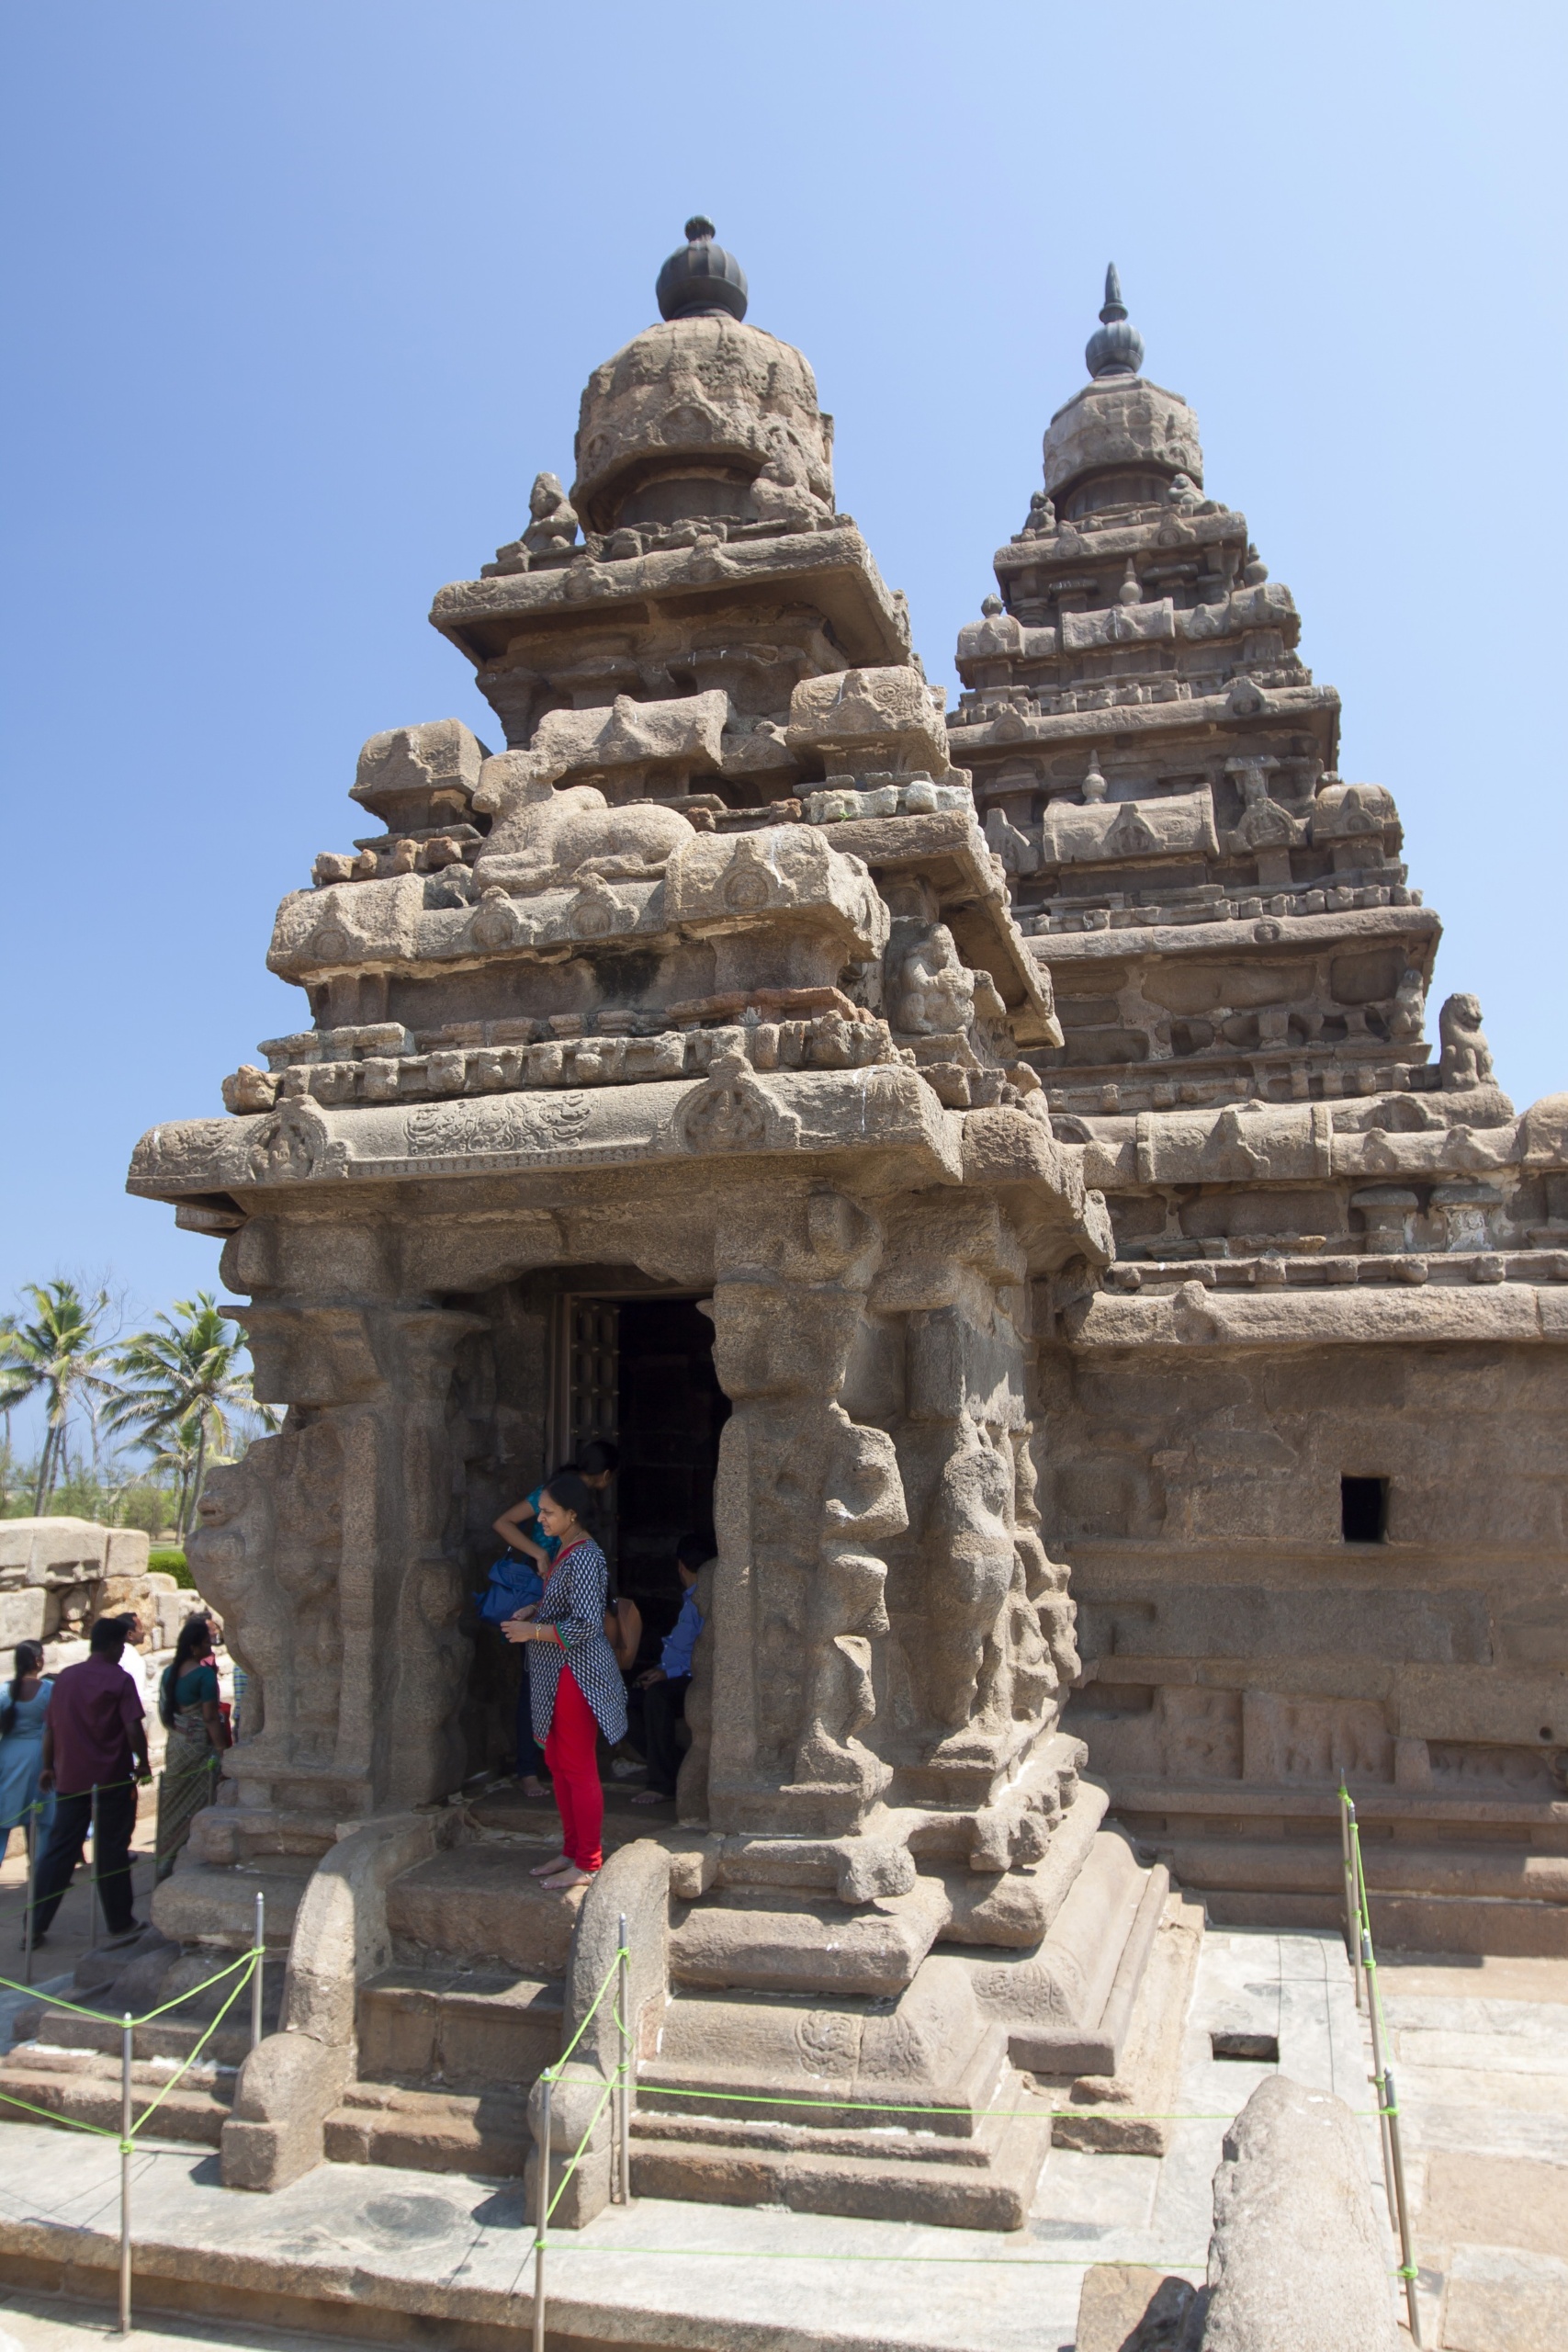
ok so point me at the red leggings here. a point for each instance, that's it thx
(571, 1752)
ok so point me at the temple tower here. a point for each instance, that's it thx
(705, 991)
(1224, 919)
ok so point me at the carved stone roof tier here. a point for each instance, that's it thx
(751, 607)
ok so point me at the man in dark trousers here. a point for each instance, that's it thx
(659, 1696)
(93, 1735)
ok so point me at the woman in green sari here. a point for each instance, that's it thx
(187, 1702)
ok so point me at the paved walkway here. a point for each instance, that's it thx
(1480, 2068)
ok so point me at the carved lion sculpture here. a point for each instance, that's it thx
(1467, 1057)
(545, 835)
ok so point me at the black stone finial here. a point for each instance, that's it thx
(1115, 348)
(700, 280)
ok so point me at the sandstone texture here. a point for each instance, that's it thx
(1299, 2259)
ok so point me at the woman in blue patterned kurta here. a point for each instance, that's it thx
(574, 1683)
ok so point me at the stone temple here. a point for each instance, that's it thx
(992, 1163)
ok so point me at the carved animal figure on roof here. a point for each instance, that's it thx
(1467, 1057)
(545, 833)
(781, 492)
(554, 524)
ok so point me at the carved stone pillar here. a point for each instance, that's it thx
(804, 1494)
(328, 1551)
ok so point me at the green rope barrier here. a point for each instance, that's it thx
(56, 2001)
(194, 2054)
(246, 1961)
(71, 2122)
(587, 2021)
(613, 2085)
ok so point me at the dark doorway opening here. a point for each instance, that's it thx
(670, 1413)
(1363, 1509)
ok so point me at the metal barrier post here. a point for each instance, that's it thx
(622, 1990)
(127, 2040)
(543, 2203)
(1352, 1920)
(33, 1896)
(1406, 2249)
(93, 1942)
(1380, 2083)
(257, 1972)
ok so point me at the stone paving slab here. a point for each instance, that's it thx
(54, 2324)
(1501, 2300)
(1481, 2058)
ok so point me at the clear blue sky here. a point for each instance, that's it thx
(301, 294)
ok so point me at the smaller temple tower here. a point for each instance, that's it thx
(1225, 920)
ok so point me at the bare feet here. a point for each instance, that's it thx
(531, 1786)
(654, 1796)
(564, 1880)
(547, 1870)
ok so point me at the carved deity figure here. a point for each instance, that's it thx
(554, 525)
(936, 992)
(1262, 824)
(1409, 1006)
(1041, 516)
(1184, 492)
(1467, 1057)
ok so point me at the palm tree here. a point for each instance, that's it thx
(58, 1356)
(184, 1392)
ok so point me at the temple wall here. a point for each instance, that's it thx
(1239, 1654)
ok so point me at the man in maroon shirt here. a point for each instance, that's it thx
(93, 1735)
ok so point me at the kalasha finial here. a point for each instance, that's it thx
(700, 280)
(1116, 349)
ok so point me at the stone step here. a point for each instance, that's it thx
(389, 2123)
(796, 1944)
(463, 2028)
(1314, 1866)
(165, 2037)
(988, 2183)
(208, 1904)
(83, 2087)
(477, 1902)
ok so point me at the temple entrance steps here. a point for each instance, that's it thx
(68, 2064)
(452, 2035)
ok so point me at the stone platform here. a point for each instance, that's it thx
(380, 2254)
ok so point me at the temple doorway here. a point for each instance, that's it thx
(638, 1371)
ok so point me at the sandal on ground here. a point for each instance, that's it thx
(654, 1796)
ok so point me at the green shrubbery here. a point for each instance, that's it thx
(165, 1560)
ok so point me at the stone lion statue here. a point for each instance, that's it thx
(1467, 1057)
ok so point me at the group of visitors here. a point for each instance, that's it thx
(550, 1590)
(81, 1735)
